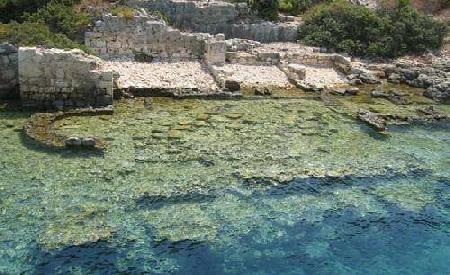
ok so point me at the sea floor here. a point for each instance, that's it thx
(253, 186)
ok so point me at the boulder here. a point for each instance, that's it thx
(369, 78)
(296, 72)
(439, 92)
(345, 91)
(72, 142)
(308, 87)
(373, 120)
(431, 114)
(263, 91)
(232, 85)
(394, 96)
(394, 78)
(148, 103)
(88, 142)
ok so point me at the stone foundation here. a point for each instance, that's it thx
(150, 39)
(8, 71)
(54, 78)
(281, 54)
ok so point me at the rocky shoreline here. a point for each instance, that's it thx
(429, 72)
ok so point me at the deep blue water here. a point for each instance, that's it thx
(399, 242)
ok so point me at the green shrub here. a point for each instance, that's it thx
(60, 17)
(357, 30)
(13, 10)
(36, 34)
(267, 9)
(446, 3)
(123, 11)
(296, 7)
(161, 16)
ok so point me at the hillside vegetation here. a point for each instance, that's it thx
(49, 23)
(337, 25)
(357, 30)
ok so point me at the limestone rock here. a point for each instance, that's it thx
(396, 97)
(372, 119)
(73, 141)
(345, 91)
(263, 91)
(88, 142)
(232, 85)
(439, 92)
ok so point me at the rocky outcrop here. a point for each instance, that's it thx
(9, 80)
(348, 91)
(434, 76)
(372, 119)
(430, 114)
(439, 92)
(392, 95)
(427, 72)
(57, 79)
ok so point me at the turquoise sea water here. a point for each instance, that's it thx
(227, 187)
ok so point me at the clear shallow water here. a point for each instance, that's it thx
(213, 187)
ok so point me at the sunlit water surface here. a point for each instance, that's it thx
(237, 187)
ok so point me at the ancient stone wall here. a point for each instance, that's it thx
(8, 71)
(147, 38)
(268, 58)
(54, 78)
(235, 21)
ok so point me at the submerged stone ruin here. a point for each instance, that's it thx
(209, 50)
(321, 157)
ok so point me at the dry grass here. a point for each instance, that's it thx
(94, 7)
(123, 11)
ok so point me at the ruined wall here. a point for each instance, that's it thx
(235, 21)
(261, 57)
(54, 78)
(148, 37)
(9, 79)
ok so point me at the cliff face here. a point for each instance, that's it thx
(431, 6)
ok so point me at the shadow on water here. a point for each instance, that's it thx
(373, 133)
(64, 152)
(155, 202)
(261, 188)
(429, 126)
(192, 257)
(320, 185)
(94, 258)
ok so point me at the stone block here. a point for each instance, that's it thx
(232, 85)
(296, 72)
